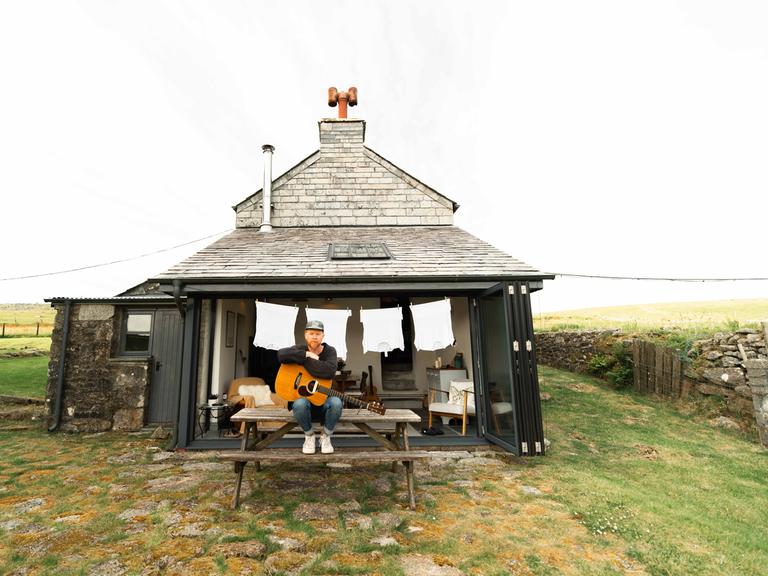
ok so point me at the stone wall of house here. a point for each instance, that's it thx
(347, 184)
(101, 392)
(715, 366)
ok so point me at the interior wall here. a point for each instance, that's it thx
(426, 359)
(231, 362)
(246, 330)
(204, 347)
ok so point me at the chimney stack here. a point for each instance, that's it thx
(266, 197)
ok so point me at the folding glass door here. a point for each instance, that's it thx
(507, 366)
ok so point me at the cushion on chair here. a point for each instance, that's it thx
(501, 407)
(448, 408)
(234, 387)
(456, 394)
(259, 392)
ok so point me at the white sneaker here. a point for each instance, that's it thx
(325, 444)
(309, 444)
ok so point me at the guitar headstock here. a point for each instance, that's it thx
(377, 408)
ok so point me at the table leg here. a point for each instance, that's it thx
(408, 466)
(244, 439)
(239, 466)
(409, 475)
(255, 439)
(406, 447)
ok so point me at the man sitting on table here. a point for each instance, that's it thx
(320, 361)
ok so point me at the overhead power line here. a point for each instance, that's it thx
(562, 274)
(113, 261)
(599, 277)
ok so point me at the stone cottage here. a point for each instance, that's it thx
(343, 229)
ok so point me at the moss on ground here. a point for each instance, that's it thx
(629, 486)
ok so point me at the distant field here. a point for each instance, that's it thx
(23, 319)
(42, 344)
(688, 316)
(26, 314)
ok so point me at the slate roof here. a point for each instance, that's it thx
(418, 252)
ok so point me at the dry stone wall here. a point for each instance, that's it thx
(101, 392)
(714, 366)
(572, 351)
(718, 365)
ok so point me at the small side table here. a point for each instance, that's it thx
(218, 412)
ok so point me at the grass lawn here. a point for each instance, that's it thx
(685, 498)
(630, 486)
(725, 315)
(24, 376)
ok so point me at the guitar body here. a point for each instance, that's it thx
(294, 381)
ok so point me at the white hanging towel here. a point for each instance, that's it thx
(335, 324)
(432, 324)
(275, 325)
(382, 329)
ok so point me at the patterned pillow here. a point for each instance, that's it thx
(456, 393)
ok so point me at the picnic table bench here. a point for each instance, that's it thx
(388, 430)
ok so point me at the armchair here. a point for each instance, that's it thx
(460, 403)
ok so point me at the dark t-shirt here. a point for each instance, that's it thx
(325, 367)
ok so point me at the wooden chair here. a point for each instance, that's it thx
(458, 404)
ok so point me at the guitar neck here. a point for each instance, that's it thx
(346, 397)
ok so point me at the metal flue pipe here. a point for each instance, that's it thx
(266, 197)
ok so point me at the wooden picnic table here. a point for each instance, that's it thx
(279, 421)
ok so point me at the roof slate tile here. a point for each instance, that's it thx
(417, 252)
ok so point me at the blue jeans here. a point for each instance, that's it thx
(330, 412)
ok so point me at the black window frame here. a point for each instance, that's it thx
(124, 332)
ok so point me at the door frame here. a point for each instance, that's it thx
(476, 326)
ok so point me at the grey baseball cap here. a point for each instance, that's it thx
(315, 325)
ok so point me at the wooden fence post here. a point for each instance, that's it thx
(37, 330)
(636, 362)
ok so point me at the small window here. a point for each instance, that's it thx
(359, 251)
(138, 329)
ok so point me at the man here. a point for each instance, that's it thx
(320, 361)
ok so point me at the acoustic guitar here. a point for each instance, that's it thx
(294, 382)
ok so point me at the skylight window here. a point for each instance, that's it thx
(358, 251)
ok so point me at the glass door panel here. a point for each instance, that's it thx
(497, 369)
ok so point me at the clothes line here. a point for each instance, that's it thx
(382, 327)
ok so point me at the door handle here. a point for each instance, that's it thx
(157, 366)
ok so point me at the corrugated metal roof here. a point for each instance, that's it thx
(417, 252)
(146, 298)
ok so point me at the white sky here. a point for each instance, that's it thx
(616, 138)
